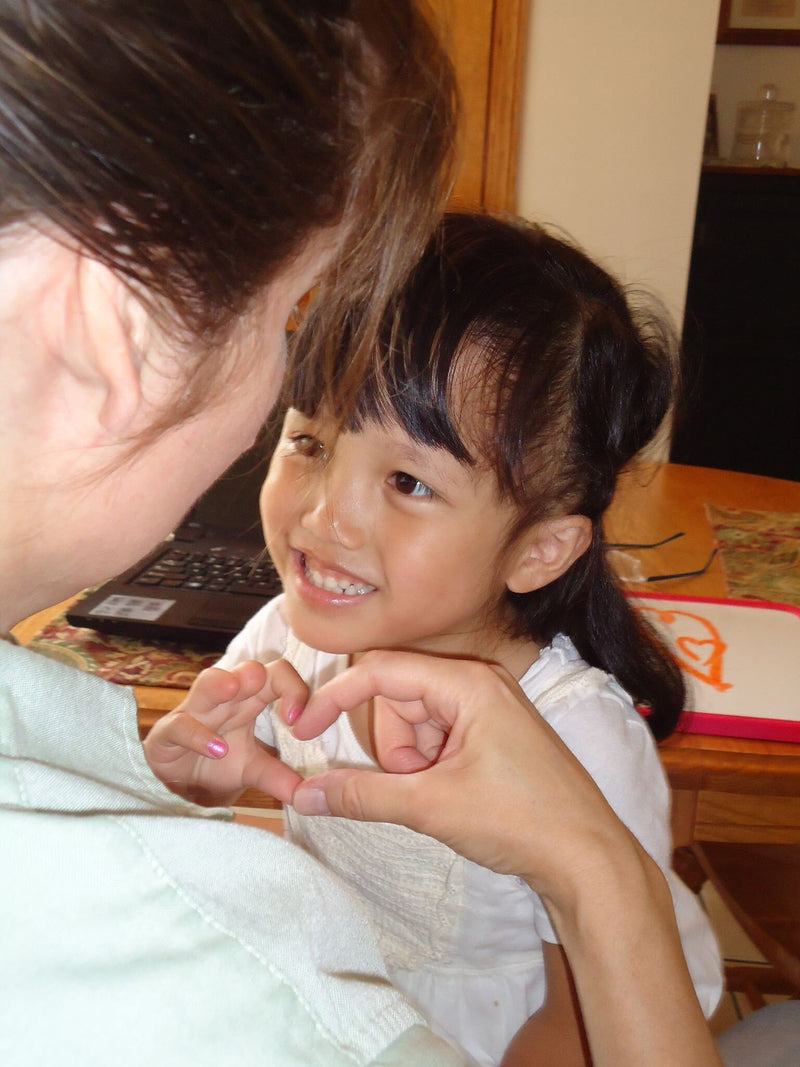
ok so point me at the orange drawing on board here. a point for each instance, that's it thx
(698, 645)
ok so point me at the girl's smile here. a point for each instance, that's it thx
(336, 582)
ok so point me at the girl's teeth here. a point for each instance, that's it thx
(333, 586)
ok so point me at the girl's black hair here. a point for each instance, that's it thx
(504, 319)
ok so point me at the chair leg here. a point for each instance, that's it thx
(757, 982)
(688, 868)
(782, 974)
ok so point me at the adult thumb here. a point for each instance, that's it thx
(366, 796)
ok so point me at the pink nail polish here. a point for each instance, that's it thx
(217, 749)
(293, 714)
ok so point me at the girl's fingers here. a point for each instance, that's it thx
(183, 730)
(268, 774)
(229, 698)
(213, 687)
(178, 733)
(285, 684)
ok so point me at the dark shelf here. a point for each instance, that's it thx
(742, 325)
(735, 168)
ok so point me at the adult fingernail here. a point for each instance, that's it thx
(217, 749)
(310, 802)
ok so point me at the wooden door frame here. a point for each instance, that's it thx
(504, 105)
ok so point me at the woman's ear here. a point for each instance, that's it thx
(546, 551)
(112, 335)
(77, 333)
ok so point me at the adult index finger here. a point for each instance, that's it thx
(422, 688)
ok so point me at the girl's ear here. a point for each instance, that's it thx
(546, 551)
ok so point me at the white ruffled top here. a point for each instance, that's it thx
(464, 943)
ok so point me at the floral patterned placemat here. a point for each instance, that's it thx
(760, 552)
(121, 659)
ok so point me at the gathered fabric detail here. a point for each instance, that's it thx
(410, 884)
(578, 678)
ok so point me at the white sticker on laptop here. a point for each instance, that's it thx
(140, 608)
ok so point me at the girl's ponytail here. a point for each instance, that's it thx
(608, 632)
(621, 383)
(623, 387)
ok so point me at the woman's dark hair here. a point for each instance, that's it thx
(569, 383)
(194, 146)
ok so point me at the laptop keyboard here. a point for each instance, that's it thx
(212, 570)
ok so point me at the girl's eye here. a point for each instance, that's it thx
(305, 444)
(408, 485)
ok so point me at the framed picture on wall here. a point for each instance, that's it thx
(759, 22)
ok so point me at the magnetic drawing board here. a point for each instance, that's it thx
(741, 659)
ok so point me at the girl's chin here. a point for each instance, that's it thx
(324, 637)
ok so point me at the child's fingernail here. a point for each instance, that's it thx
(217, 749)
(310, 802)
(293, 714)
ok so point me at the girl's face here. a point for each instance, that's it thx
(384, 542)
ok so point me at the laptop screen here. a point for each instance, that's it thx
(231, 503)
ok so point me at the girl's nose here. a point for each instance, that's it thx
(335, 510)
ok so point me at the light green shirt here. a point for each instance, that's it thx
(138, 928)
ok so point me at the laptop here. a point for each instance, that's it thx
(201, 585)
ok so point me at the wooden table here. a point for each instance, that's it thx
(725, 789)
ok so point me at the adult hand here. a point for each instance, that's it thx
(481, 771)
(206, 749)
(479, 768)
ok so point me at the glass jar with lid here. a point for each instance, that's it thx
(763, 130)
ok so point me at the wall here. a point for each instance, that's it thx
(740, 71)
(613, 119)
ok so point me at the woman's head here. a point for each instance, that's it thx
(196, 146)
(174, 174)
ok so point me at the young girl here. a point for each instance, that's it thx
(459, 512)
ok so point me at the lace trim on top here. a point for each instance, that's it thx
(411, 885)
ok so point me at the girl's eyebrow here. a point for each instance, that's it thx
(437, 462)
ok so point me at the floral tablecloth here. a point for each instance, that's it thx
(121, 659)
(760, 553)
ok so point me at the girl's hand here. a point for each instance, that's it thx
(492, 779)
(206, 749)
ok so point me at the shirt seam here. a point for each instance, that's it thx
(215, 924)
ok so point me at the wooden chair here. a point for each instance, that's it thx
(760, 886)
